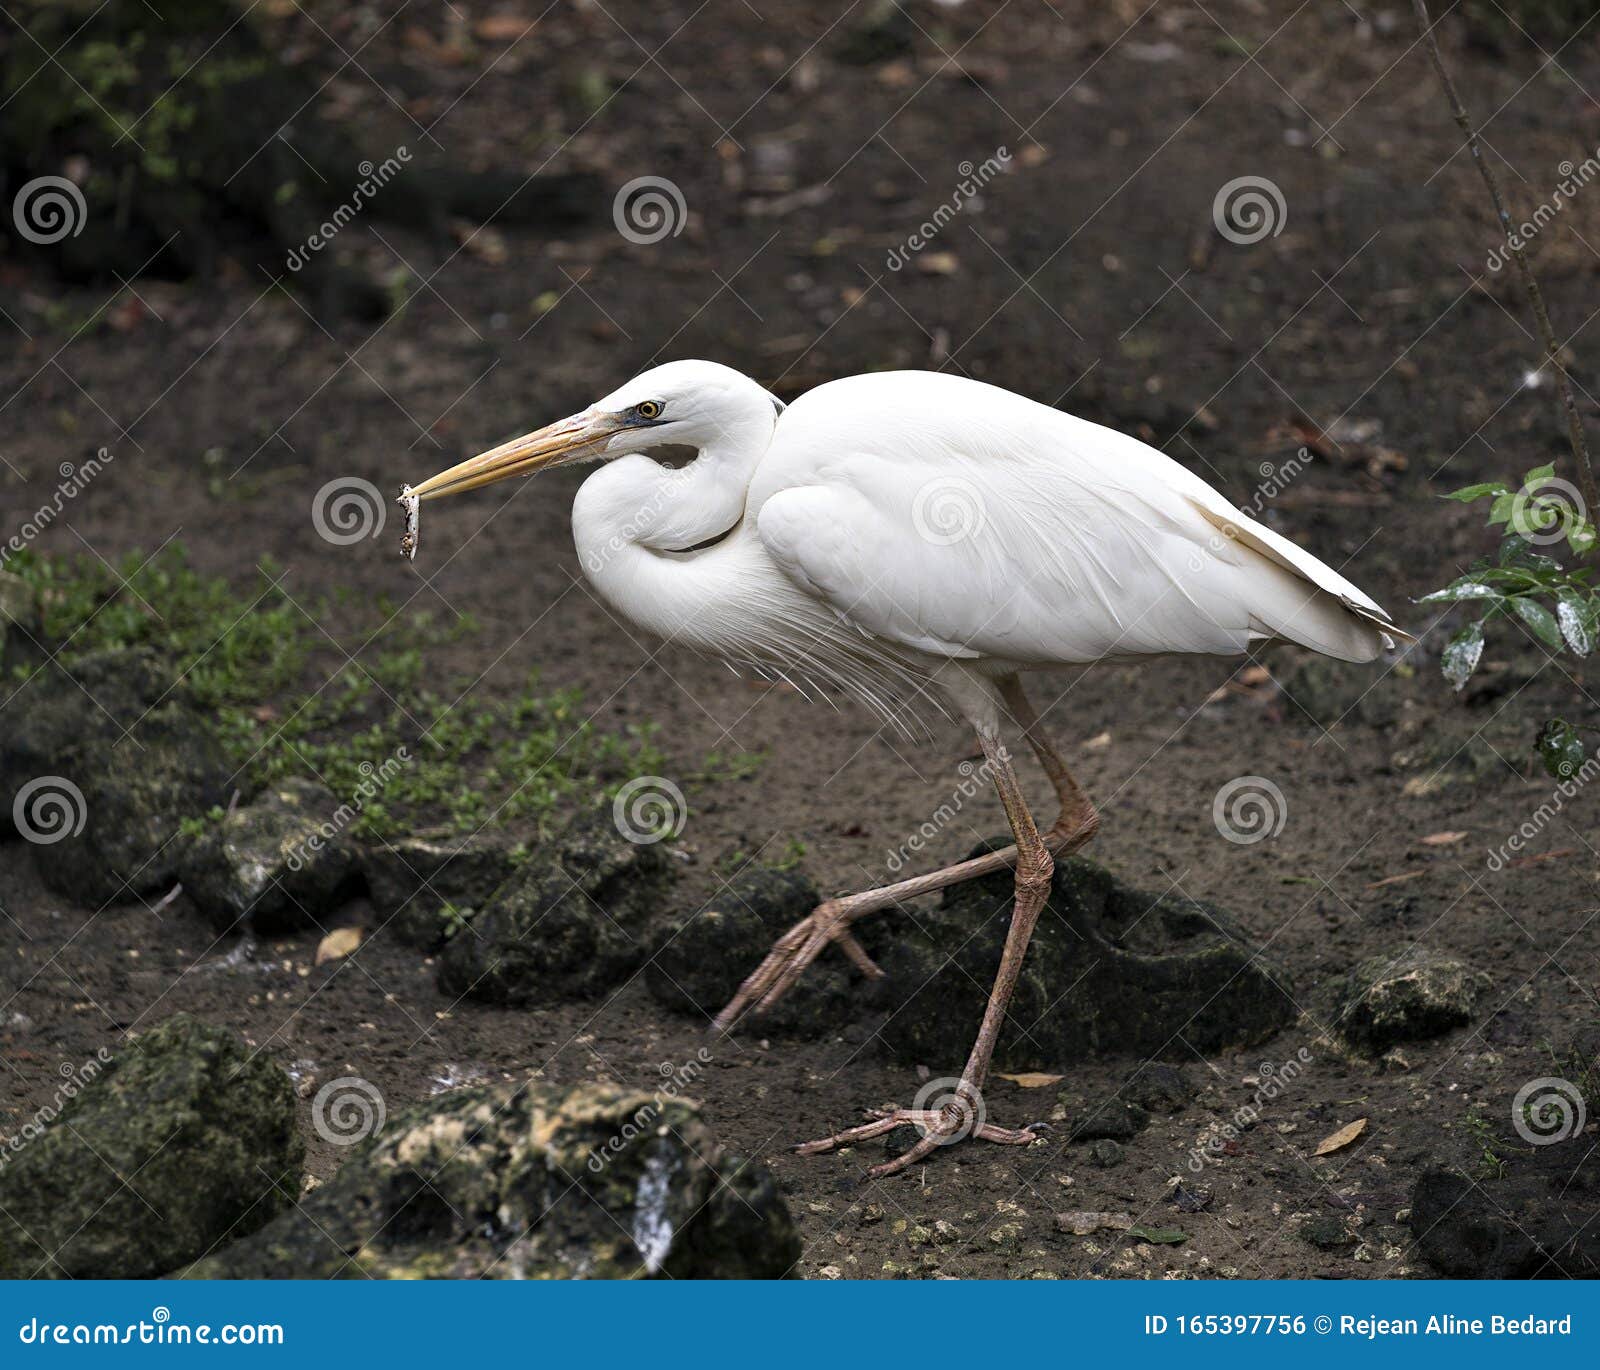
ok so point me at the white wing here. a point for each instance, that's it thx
(986, 525)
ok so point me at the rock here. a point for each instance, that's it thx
(1106, 1153)
(280, 863)
(117, 759)
(1114, 1119)
(182, 1139)
(883, 32)
(1109, 969)
(1327, 1234)
(1535, 1220)
(1405, 998)
(426, 887)
(571, 923)
(1158, 1087)
(524, 1180)
(698, 961)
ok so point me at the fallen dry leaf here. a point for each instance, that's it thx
(1334, 1141)
(938, 264)
(1098, 741)
(1081, 1224)
(1031, 1079)
(1395, 879)
(502, 28)
(338, 944)
(1442, 839)
(1560, 855)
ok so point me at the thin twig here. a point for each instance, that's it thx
(1580, 447)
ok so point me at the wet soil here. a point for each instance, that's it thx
(1091, 275)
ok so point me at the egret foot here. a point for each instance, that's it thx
(792, 953)
(960, 1116)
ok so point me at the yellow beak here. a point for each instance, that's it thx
(582, 435)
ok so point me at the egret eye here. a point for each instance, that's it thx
(649, 409)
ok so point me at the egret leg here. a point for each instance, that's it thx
(830, 921)
(964, 1116)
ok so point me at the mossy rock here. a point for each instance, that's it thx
(699, 960)
(183, 1140)
(1405, 997)
(280, 863)
(1534, 1219)
(1110, 970)
(571, 923)
(531, 1181)
(423, 886)
(120, 731)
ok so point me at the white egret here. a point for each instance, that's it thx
(913, 537)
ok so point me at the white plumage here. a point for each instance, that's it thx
(887, 527)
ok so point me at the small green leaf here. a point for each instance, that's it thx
(1540, 619)
(1560, 748)
(1161, 1236)
(1581, 536)
(1539, 473)
(1462, 654)
(1462, 589)
(1500, 510)
(1573, 614)
(1468, 493)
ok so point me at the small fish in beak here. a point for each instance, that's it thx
(413, 507)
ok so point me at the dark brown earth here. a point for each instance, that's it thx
(1092, 277)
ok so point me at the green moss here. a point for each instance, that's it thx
(286, 703)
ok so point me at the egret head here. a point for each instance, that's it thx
(681, 404)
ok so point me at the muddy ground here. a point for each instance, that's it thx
(1090, 275)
